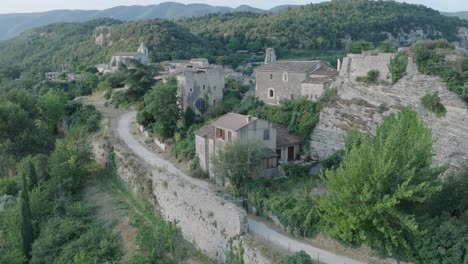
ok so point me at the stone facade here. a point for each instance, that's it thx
(200, 85)
(201, 88)
(279, 80)
(363, 107)
(232, 127)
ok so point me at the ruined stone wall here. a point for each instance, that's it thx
(356, 65)
(363, 107)
(206, 220)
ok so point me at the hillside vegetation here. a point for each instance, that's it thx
(324, 25)
(74, 44)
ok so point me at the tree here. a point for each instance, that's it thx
(358, 46)
(52, 109)
(161, 109)
(26, 168)
(27, 232)
(380, 179)
(139, 79)
(398, 66)
(237, 163)
(189, 117)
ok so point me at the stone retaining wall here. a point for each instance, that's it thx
(206, 220)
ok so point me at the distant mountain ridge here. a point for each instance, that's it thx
(461, 14)
(13, 24)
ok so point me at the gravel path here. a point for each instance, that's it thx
(255, 227)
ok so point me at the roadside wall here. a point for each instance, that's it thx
(206, 220)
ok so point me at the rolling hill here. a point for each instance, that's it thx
(13, 24)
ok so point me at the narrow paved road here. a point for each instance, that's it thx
(256, 227)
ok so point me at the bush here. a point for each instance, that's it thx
(9, 186)
(299, 258)
(296, 171)
(371, 78)
(87, 118)
(432, 103)
(334, 160)
(398, 66)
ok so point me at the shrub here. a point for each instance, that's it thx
(398, 66)
(334, 160)
(9, 186)
(432, 103)
(371, 77)
(299, 258)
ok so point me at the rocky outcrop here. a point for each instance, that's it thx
(363, 107)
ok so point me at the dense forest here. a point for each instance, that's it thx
(324, 25)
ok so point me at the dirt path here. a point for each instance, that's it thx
(256, 227)
(109, 213)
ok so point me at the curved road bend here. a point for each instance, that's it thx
(255, 227)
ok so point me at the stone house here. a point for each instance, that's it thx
(279, 146)
(200, 85)
(119, 59)
(277, 80)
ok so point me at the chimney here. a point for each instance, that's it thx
(338, 65)
(249, 119)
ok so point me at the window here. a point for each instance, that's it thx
(214, 102)
(270, 163)
(214, 87)
(271, 76)
(266, 134)
(271, 93)
(285, 77)
(203, 87)
(229, 136)
(191, 89)
(220, 134)
(200, 104)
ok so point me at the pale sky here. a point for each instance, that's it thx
(26, 6)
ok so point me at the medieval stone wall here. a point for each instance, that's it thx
(356, 65)
(206, 220)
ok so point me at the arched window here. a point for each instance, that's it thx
(200, 104)
(271, 93)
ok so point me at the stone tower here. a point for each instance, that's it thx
(270, 55)
(143, 49)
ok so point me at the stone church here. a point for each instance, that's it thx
(119, 59)
(200, 85)
(283, 79)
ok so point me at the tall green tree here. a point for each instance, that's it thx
(380, 179)
(236, 164)
(27, 232)
(52, 109)
(27, 169)
(161, 109)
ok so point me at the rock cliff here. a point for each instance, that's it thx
(363, 107)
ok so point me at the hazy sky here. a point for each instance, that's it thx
(17, 6)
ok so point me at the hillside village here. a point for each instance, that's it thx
(238, 137)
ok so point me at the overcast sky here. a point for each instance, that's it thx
(20, 6)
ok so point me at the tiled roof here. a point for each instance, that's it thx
(284, 138)
(311, 67)
(233, 121)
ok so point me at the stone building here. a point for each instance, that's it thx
(278, 80)
(279, 146)
(200, 85)
(119, 59)
(357, 65)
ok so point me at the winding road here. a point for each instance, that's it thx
(255, 227)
